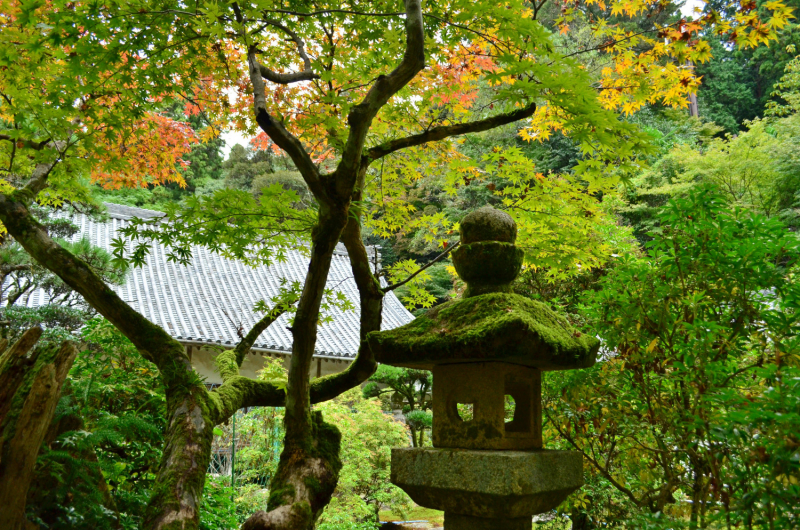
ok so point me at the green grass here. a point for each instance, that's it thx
(557, 524)
(416, 513)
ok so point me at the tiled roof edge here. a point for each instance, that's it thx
(123, 212)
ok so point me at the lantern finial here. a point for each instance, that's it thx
(487, 260)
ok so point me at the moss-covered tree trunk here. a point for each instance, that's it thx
(176, 498)
(192, 410)
(309, 465)
(30, 386)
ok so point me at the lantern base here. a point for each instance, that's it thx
(498, 485)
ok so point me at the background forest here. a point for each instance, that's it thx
(686, 267)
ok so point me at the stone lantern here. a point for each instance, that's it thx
(484, 470)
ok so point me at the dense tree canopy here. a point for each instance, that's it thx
(365, 100)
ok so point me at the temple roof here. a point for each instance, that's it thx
(210, 299)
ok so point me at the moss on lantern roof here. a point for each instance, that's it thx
(490, 327)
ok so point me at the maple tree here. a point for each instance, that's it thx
(365, 98)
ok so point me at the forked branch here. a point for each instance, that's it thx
(278, 133)
(386, 86)
(307, 74)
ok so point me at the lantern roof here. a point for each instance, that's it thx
(497, 326)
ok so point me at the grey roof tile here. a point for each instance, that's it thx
(191, 301)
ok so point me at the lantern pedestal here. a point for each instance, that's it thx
(487, 489)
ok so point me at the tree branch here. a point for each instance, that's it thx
(446, 131)
(284, 79)
(278, 133)
(188, 434)
(38, 181)
(435, 260)
(360, 117)
(334, 11)
(247, 342)
(237, 391)
(37, 146)
(603, 471)
(371, 304)
(154, 343)
(330, 386)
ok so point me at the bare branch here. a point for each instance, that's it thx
(247, 342)
(38, 181)
(334, 11)
(434, 260)
(278, 133)
(438, 133)
(41, 172)
(284, 79)
(6, 268)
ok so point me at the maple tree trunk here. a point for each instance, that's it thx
(308, 470)
(177, 494)
(309, 465)
(30, 387)
(192, 411)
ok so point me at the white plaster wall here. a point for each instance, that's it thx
(203, 363)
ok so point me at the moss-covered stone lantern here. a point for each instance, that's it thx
(484, 470)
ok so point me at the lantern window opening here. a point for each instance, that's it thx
(466, 411)
(521, 395)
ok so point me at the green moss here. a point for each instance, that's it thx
(279, 494)
(488, 266)
(181, 474)
(324, 445)
(226, 364)
(44, 355)
(489, 327)
(313, 484)
(488, 224)
(328, 441)
(302, 511)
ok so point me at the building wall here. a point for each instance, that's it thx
(203, 363)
